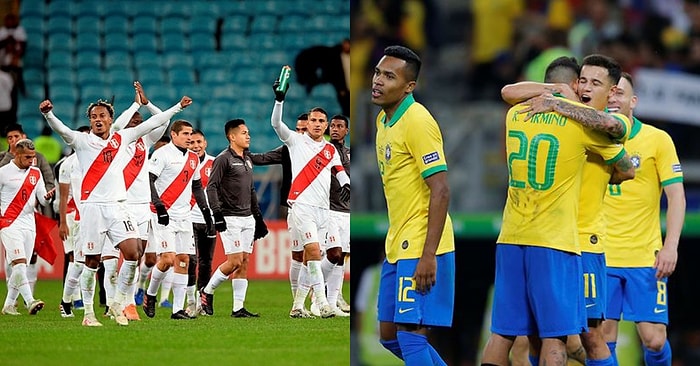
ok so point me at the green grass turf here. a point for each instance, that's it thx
(272, 339)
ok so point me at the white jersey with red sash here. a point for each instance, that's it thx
(311, 170)
(204, 173)
(138, 188)
(19, 189)
(70, 174)
(176, 171)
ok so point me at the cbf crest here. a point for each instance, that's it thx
(387, 152)
(636, 160)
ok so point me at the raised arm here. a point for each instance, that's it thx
(280, 127)
(586, 116)
(68, 135)
(123, 120)
(161, 118)
(524, 90)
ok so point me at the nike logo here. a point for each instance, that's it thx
(657, 310)
(589, 305)
(401, 311)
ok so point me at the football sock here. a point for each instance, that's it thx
(72, 281)
(143, 276)
(316, 282)
(32, 270)
(191, 294)
(660, 358)
(326, 267)
(414, 348)
(110, 280)
(216, 280)
(393, 347)
(333, 283)
(294, 269)
(240, 287)
(125, 281)
(156, 278)
(534, 360)
(302, 288)
(612, 346)
(167, 284)
(606, 362)
(179, 284)
(87, 289)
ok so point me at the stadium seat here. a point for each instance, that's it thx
(143, 24)
(144, 42)
(116, 42)
(236, 24)
(202, 23)
(113, 8)
(214, 77)
(60, 91)
(88, 42)
(89, 75)
(85, 9)
(60, 42)
(263, 24)
(266, 41)
(224, 93)
(175, 9)
(174, 26)
(33, 25)
(276, 58)
(205, 9)
(115, 23)
(235, 8)
(120, 77)
(202, 42)
(91, 93)
(191, 113)
(87, 24)
(244, 60)
(146, 59)
(162, 97)
(175, 59)
(211, 60)
(117, 59)
(61, 8)
(234, 42)
(151, 76)
(88, 58)
(32, 9)
(174, 43)
(60, 59)
(292, 23)
(180, 76)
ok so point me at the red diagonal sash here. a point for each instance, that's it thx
(312, 169)
(21, 198)
(133, 168)
(99, 167)
(204, 173)
(71, 206)
(175, 189)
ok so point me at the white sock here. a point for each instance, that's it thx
(110, 280)
(156, 278)
(179, 285)
(8, 272)
(217, 278)
(316, 282)
(240, 287)
(19, 285)
(72, 282)
(31, 276)
(302, 288)
(166, 285)
(191, 295)
(78, 268)
(127, 273)
(294, 269)
(334, 281)
(131, 292)
(326, 267)
(87, 289)
(145, 271)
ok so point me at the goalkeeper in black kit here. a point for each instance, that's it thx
(237, 217)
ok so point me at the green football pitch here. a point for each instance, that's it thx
(272, 339)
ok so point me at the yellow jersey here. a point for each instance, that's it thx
(409, 150)
(632, 209)
(545, 157)
(594, 182)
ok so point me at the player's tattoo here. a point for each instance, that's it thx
(559, 359)
(624, 164)
(579, 354)
(588, 117)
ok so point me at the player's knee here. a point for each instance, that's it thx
(654, 340)
(298, 256)
(334, 255)
(150, 259)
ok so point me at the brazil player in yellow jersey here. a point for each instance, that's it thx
(639, 262)
(597, 82)
(417, 279)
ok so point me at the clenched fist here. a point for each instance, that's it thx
(185, 102)
(45, 106)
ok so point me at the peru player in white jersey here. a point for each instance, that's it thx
(312, 160)
(21, 186)
(138, 192)
(174, 177)
(102, 156)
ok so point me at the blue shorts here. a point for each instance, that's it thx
(595, 288)
(400, 303)
(538, 291)
(636, 295)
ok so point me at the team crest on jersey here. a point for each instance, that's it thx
(327, 154)
(140, 146)
(207, 172)
(32, 180)
(387, 152)
(114, 143)
(192, 164)
(636, 160)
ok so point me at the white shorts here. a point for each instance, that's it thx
(109, 249)
(71, 241)
(293, 234)
(100, 221)
(238, 237)
(18, 243)
(338, 231)
(310, 223)
(141, 213)
(151, 243)
(177, 237)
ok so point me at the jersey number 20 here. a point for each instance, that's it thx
(528, 151)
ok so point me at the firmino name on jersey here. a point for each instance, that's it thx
(545, 118)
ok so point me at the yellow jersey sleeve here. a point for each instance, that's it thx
(667, 164)
(426, 147)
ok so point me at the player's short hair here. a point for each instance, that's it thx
(303, 117)
(197, 131)
(606, 62)
(320, 110)
(413, 62)
(179, 125)
(13, 127)
(100, 103)
(25, 144)
(628, 76)
(83, 129)
(234, 123)
(342, 118)
(165, 138)
(562, 70)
